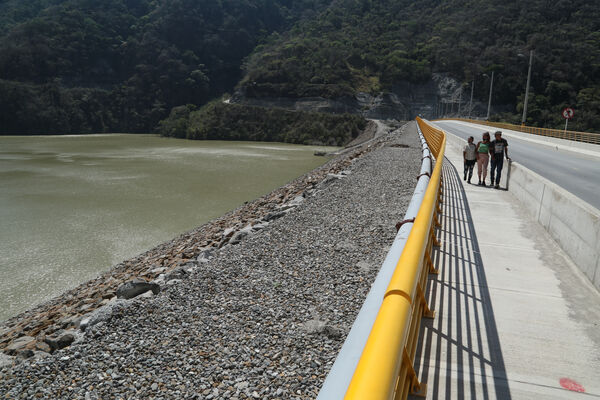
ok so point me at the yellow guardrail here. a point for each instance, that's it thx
(385, 369)
(585, 137)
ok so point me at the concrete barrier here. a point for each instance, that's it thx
(573, 223)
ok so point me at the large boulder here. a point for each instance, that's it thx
(241, 235)
(181, 272)
(273, 215)
(6, 361)
(136, 287)
(21, 346)
(101, 314)
(60, 340)
(206, 254)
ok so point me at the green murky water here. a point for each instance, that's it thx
(73, 206)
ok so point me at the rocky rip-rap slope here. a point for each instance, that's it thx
(255, 304)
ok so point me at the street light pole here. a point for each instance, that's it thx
(527, 88)
(471, 101)
(490, 99)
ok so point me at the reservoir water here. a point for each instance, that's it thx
(73, 206)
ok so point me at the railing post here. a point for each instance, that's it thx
(434, 239)
(427, 312)
(429, 262)
(416, 388)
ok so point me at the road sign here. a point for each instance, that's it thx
(568, 113)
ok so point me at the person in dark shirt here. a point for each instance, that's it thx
(498, 149)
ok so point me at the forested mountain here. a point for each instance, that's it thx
(218, 120)
(122, 65)
(372, 45)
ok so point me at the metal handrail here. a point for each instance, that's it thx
(385, 369)
(340, 374)
(586, 137)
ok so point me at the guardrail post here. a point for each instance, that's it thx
(432, 269)
(436, 221)
(416, 388)
(434, 239)
(427, 312)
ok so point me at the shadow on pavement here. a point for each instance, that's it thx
(459, 354)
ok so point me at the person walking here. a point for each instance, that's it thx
(469, 157)
(498, 149)
(483, 157)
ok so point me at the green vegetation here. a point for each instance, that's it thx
(371, 45)
(122, 65)
(217, 120)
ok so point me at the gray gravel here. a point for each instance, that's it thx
(262, 319)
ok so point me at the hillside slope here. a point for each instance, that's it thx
(121, 65)
(374, 46)
(71, 66)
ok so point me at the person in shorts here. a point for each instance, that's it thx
(498, 149)
(483, 157)
(469, 157)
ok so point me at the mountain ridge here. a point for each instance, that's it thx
(377, 45)
(76, 66)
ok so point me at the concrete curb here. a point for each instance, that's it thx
(573, 223)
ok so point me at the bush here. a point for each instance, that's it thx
(220, 121)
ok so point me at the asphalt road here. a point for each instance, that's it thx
(578, 173)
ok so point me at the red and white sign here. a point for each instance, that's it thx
(568, 113)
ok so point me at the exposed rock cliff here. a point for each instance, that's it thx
(442, 96)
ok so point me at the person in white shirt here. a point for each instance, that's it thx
(470, 157)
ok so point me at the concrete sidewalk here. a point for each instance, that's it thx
(515, 319)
